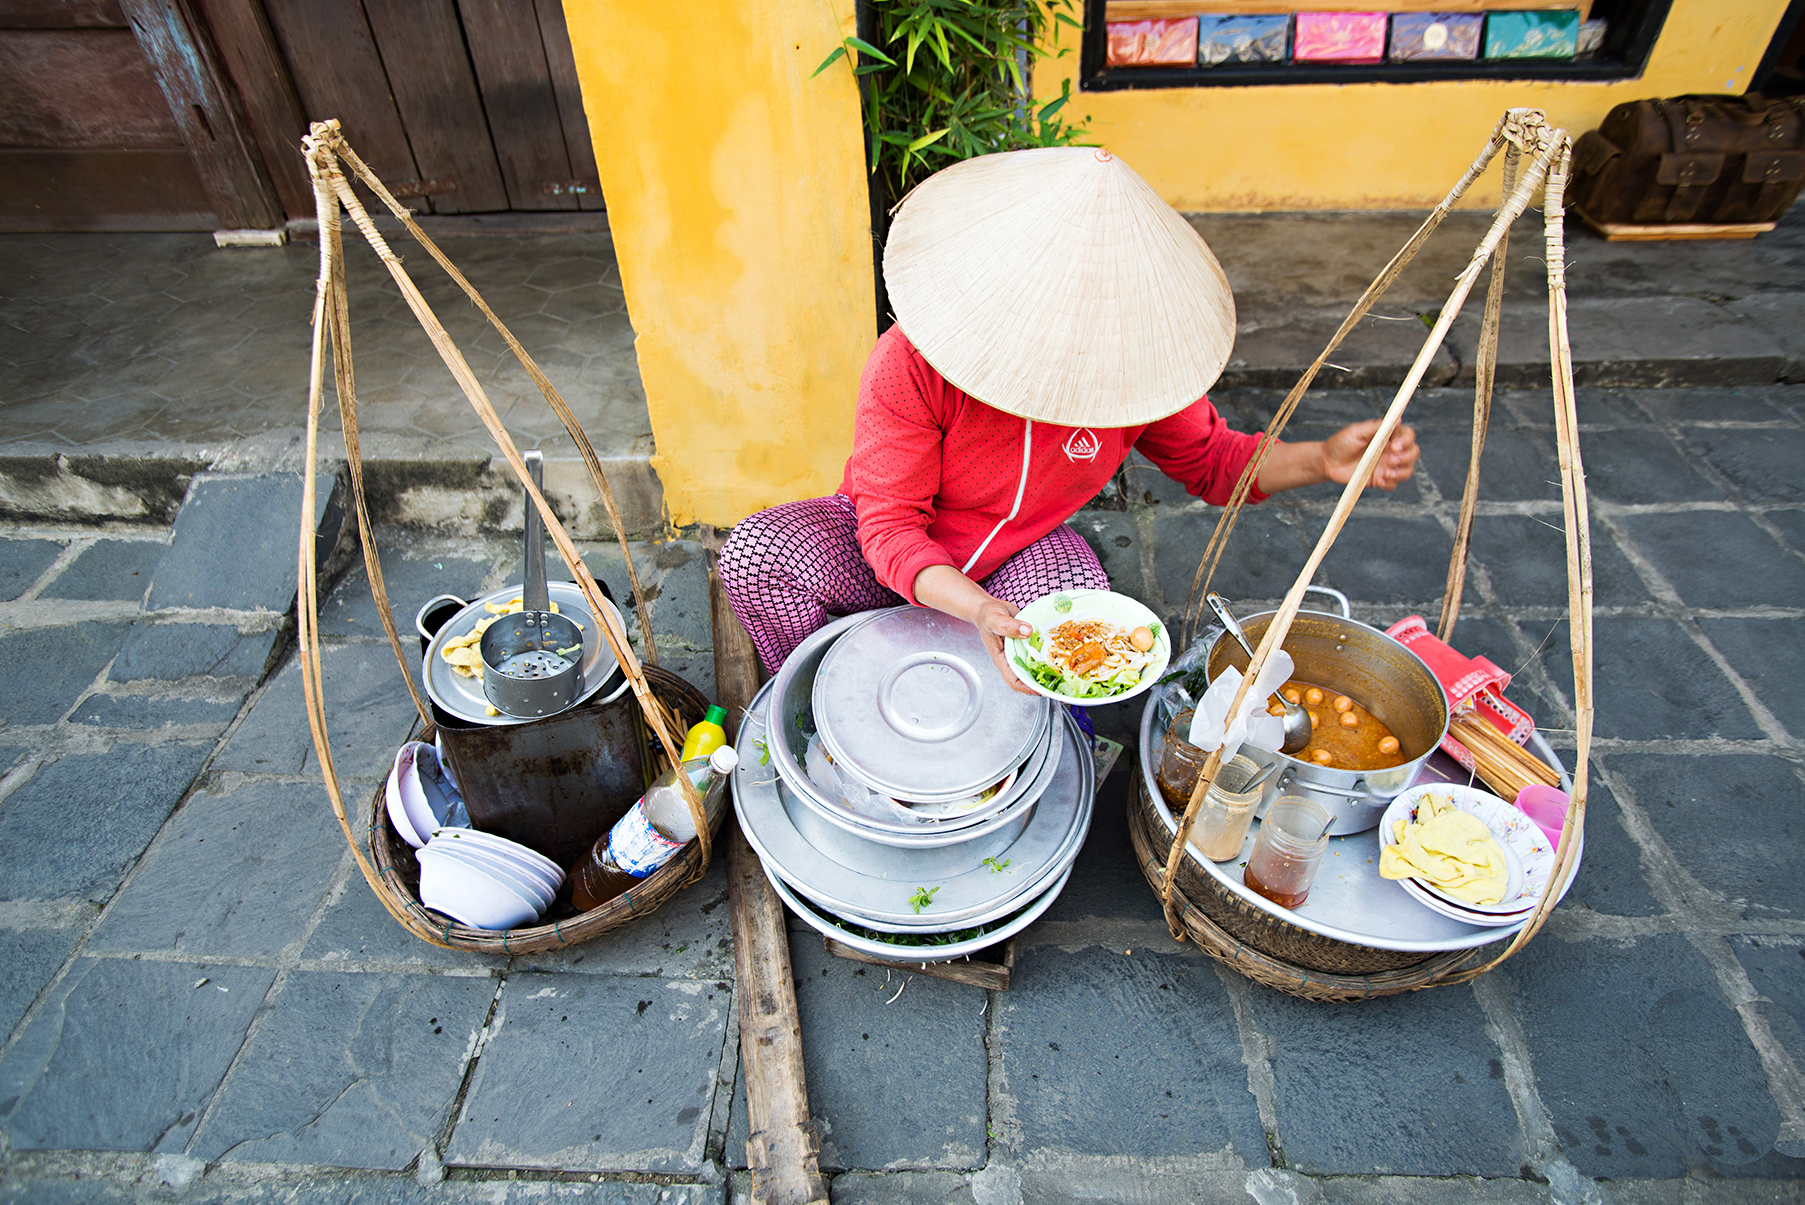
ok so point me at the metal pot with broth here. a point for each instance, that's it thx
(1383, 680)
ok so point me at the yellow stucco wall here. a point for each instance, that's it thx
(1384, 146)
(735, 187)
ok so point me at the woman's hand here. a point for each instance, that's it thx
(944, 588)
(995, 620)
(1291, 465)
(1341, 453)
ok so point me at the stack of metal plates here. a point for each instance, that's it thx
(902, 798)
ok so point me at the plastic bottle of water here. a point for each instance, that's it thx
(651, 832)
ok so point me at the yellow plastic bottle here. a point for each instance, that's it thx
(706, 736)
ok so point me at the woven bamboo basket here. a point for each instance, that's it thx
(1536, 158)
(669, 704)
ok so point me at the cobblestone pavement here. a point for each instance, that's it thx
(204, 1003)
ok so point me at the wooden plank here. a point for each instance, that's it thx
(782, 1151)
(206, 110)
(429, 73)
(1624, 232)
(332, 59)
(61, 14)
(509, 53)
(974, 972)
(1146, 10)
(571, 115)
(72, 88)
(42, 190)
(247, 47)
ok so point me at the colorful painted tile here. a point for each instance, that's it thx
(1170, 42)
(1339, 38)
(1435, 37)
(1537, 35)
(1242, 39)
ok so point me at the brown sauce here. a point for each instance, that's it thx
(1344, 735)
(1284, 899)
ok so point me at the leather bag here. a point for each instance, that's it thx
(1691, 159)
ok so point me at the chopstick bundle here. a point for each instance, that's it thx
(1505, 766)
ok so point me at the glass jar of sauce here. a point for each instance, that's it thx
(1287, 850)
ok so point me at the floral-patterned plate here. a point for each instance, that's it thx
(1514, 830)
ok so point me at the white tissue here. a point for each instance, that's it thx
(1253, 726)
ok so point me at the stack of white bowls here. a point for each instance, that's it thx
(478, 878)
(902, 798)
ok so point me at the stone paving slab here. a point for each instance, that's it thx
(1781, 317)
(171, 651)
(357, 930)
(348, 1070)
(22, 563)
(895, 1063)
(108, 569)
(86, 817)
(238, 873)
(368, 712)
(1627, 1095)
(1407, 1085)
(32, 958)
(46, 672)
(595, 1074)
(1706, 555)
(1100, 1052)
(144, 711)
(111, 1022)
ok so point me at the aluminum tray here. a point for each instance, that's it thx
(1349, 901)
(791, 697)
(825, 926)
(464, 698)
(1054, 832)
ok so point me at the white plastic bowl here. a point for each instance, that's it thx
(527, 857)
(523, 881)
(469, 894)
(397, 804)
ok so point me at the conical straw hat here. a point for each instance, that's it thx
(1056, 285)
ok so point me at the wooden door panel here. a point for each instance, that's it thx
(44, 189)
(510, 63)
(337, 72)
(573, 122)
(248, 49)
(435, 91)
(78, 88)
(61, 14)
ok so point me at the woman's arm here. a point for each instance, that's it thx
(1291, 465)
(944, 588)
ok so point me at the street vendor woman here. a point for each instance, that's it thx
(1052, 314)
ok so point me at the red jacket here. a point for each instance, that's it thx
(939, 478)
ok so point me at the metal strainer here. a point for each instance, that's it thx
(532, 659)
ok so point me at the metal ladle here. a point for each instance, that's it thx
(1298, 728)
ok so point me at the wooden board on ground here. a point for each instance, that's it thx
(1625, 232)
(782, 1150)
(977, 971)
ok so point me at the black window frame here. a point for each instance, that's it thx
(1624, 56)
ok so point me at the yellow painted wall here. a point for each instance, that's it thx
(1384, 146)
(735, 187)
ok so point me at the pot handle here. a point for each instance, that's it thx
(1357, 791)
(1347, 610)
(430, 604)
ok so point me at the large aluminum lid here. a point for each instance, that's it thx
(911, 704)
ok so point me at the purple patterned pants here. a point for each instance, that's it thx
(790, 569)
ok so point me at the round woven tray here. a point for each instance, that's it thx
(1265, 948)
(399, 872)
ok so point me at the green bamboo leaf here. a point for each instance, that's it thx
(838, 54)
(927, 139)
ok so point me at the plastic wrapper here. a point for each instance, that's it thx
(1164, 43)
(1435, 37)
(1242, 39)
(1552, 34)
(1339, 38)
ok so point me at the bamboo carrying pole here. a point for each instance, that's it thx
(325, 149)
(1521, 133)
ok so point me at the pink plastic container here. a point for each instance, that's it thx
(1547, 806)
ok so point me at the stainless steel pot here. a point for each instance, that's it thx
(1378, 673)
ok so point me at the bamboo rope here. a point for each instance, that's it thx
(550, 392)
(332, 191)
(1529, 130)
(1212, 553)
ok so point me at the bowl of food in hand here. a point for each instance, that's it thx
(1089, 647)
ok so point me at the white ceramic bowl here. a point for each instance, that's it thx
(1526, 850)
(527, 857)
(526, 883)
(392, 796)
(469, 894)
(1054, 609)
